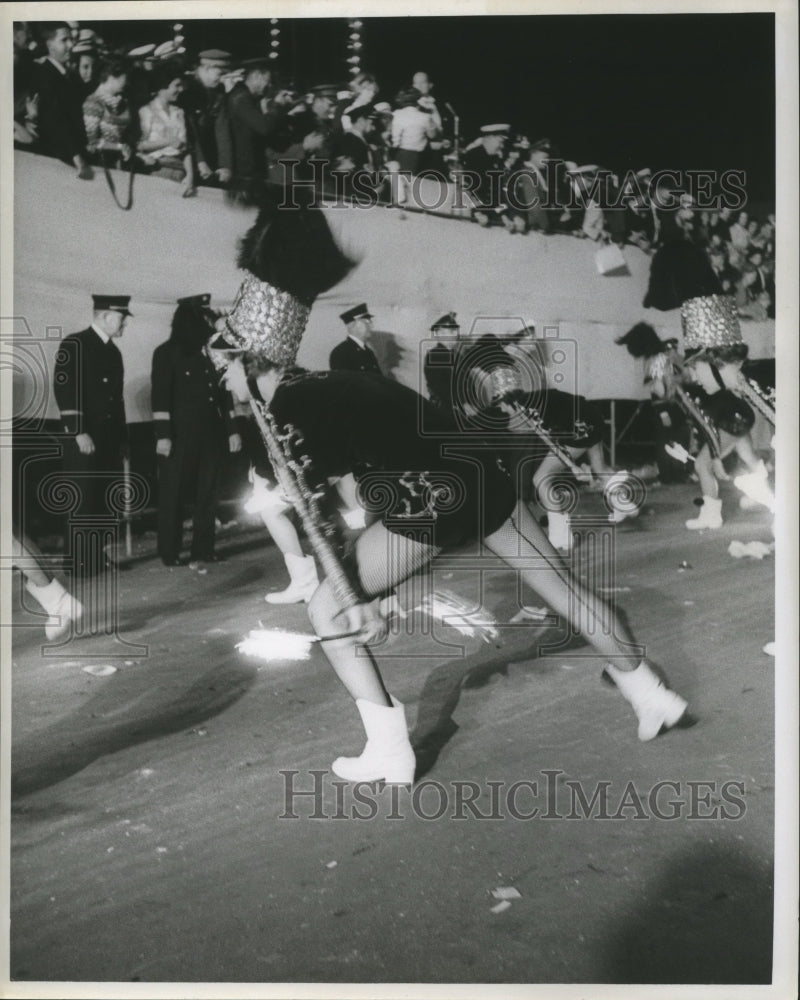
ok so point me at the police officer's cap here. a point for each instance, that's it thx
(195, 300)
(447, 322)
(141, 51)
(114, 303)
(495, 129)
(215, 57)
(325, 90)
(357, 312)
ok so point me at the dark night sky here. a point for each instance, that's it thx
(666, 91)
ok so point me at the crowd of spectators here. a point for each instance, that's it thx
(233, 124)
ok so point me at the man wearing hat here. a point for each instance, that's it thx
(353, 152)
(439, 363)
(207, 123)
(88, 389)
(253, 130)
(194, 427)
(354, 353)
(310, 131)
(484, 161)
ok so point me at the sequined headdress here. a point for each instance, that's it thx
(710, 321)
(288, 258)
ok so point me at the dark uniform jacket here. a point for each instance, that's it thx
(352, 357)
(489, 172)
(391, 439)
(88, 386)
(187, 397)
(251, 132)
(207, 125)
(61, 130)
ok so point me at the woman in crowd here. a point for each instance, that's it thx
(106, 115)
(163, 143)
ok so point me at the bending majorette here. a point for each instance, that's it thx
(424, 501)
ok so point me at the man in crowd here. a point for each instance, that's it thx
(484, 164)
(252, 128)
(60, 112)
(354, 354)
(194, 429)
(88, 389)
(354, 154)
(207, 124)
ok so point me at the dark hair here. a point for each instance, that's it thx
(112, 67)
(164, 73)
(192, 327)
(47, 29)
(642, 341)
(291, 247)
(725, 354)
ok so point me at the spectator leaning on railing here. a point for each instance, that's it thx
(106, 115)
(208, 128)
(163, 144)
(60, 113)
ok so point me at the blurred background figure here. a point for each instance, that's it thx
(194, 429)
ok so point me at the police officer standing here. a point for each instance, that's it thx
(354, 354)
(194, 430)
(88, 388)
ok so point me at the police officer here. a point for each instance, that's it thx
(88, 388)
(439, 363)
(194, 429)
(354, 354)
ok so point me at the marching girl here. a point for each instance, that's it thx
(425, 499)
(681, 276)
(554, 431)
(714, 357)
(353, 422)
(663, 374)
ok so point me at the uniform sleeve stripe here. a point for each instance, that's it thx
(71, 413)
(161, 415)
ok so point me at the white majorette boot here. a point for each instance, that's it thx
(388, 755)
(655, 705)
(558, 530)
(304, 581)
(755, 486)
(60, 605)
(710, 515)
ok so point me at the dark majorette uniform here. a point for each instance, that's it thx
(88, 388)
(195, 412)
(414, 468)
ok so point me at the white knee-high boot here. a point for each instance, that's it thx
(59, 604)
(655, 705)
(710, 515)
(559, 532)
(303, 581)
(388, 755)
